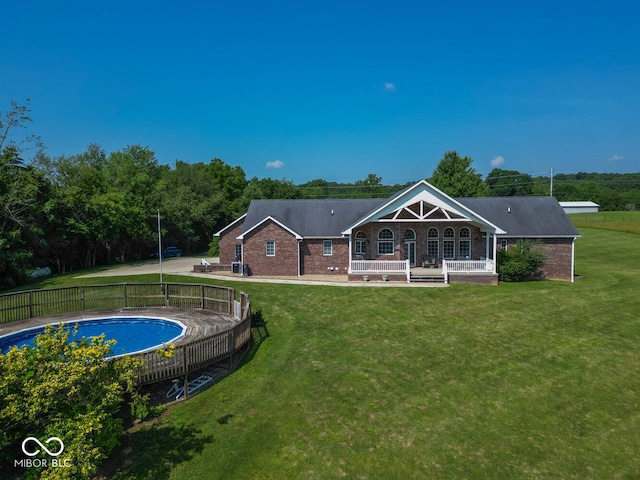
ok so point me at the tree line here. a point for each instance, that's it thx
(96, 207)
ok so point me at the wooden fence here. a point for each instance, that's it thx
(187, 357)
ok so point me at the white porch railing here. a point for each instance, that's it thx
(380, 266)
(466, 266)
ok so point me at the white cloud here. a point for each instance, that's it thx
(497, 161)
(389, 86)
(615, 158)
(275, 164)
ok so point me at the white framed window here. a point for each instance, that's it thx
(432, 248)
(449, 233)
(449, 249)
(410, 234)
(237, 252)
(271, 248)
(433, 233)
(385, 242)
(503, 244)
(385, 248)
(327, 247)
(360, 243)
(465, 249)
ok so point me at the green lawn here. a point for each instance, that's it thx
(619, 221)
(531, 380)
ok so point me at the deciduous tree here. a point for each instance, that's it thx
(21, 197)
(455, 176)
(508, 183)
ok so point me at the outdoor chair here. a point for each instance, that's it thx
(430, 262)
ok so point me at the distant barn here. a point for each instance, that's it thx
(579, 207)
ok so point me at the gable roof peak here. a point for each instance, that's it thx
(422, 191)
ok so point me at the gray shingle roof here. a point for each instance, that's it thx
(312, 218)
(528, 216)
(524, 216)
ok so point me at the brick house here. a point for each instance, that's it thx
(417, 234)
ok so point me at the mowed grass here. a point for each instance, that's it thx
(531, 380)
(617, 221)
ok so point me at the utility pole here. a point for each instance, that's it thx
(551, 186)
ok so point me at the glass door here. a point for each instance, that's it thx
(410, 253)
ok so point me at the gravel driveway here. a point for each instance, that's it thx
(176, 266)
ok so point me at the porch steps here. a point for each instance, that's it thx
(426, 278)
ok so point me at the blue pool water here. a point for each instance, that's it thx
(132, 334)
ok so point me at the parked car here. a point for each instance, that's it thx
(169, 252)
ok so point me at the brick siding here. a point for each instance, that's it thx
(285, 260)
(227, 243)
(371, 230)
(314, 262)
(557, 265)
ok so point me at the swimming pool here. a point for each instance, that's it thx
(132, 334)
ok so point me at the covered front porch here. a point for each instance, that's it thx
(445, 271)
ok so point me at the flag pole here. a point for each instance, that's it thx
(160, 246)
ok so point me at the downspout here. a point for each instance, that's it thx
(299, 260)
(242, 258)
(573, 258)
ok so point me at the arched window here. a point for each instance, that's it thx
(410, 234)
(465, 232)
(449, 232)
(433, 233)
(385, 234)
(360, 243)
(385, 242)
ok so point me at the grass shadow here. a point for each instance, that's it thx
(259, 333)
(158, 449)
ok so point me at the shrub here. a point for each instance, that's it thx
(520, 262)
(214, 248)
(66, 390)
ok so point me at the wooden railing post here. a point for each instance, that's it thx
(186, 373)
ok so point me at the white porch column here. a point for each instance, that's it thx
(350, 253)
(486, 247)
(495, 253)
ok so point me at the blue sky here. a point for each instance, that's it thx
(333, 89)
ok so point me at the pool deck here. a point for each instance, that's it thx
(199, 323)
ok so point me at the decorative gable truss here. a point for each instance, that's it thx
(423, 202)
(423, 211)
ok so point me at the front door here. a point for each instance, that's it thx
(410, 253)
